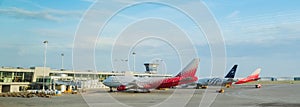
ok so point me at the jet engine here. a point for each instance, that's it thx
(121, 88)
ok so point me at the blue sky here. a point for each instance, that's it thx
(256, 33)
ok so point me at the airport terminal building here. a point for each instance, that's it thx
(20, 79)
(16, 79)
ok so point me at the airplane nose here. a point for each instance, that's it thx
(106, 81)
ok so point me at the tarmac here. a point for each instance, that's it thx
(279, 95)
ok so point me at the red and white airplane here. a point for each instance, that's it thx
(253, 77)
(144, 84)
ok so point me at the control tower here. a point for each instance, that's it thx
(151, 68)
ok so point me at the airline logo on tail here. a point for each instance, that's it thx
(231, 73)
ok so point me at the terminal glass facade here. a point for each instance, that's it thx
(8, 77)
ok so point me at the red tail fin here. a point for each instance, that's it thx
(255, 74)
(190, 70)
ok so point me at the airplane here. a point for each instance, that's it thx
(228, 80)
(144, 84)
(253, 77)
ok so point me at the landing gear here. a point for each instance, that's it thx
(227, 85)
(258, 86)
(147, 91)
(201, 86)
(204, 87)
(141, 91)
(110, 89)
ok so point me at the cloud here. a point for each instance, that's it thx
(265, 35)
(21, 13)
(52, 32)
(233, 14)
(263, 30)
(50, 14)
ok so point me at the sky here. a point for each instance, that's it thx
(256, 34)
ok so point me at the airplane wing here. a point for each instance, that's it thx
(134, 85)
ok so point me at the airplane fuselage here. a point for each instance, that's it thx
(253, 77)
(214, 81)
(187, 75)
(245, 80)
(146, 82)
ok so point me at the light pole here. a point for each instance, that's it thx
(62, 61)
(133, 53)
(45, 59)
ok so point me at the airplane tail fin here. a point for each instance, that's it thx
(190, 69)
(255, 74)
(231, 73)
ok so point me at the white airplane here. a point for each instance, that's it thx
(228, 79)
(144, 84)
